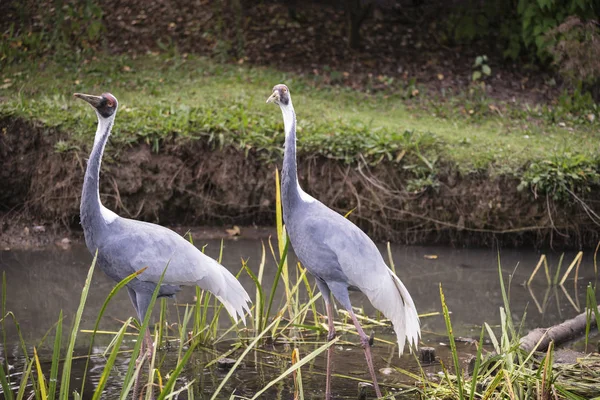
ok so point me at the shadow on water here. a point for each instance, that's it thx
(40, 283)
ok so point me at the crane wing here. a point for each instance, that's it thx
(360, 262)
(156, 248)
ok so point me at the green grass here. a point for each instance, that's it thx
(183, 99)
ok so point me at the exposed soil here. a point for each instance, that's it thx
(193, 185)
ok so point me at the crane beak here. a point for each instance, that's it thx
(274, 97)
(94, 101)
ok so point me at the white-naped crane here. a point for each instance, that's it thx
(338, 254)
(125, 246)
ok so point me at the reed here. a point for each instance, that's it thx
(507, 371)
(504, 371)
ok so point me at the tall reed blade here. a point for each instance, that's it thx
(505, 298)
(278, 213)
(296, 366)
(547, 379)
(6, 390)
(311, 295)
(4, 379)
(260, 298)
(110, 296)
(24, 380)
(260, 295)
(282, 239)
(66, 374)
(132, 370)
(558, 268)
(168, 389)
(298, 390)
(111, 361)
(457, 369)
(576, 262)
(55, 358)
(183, 332)
(280, 268)
(475, 373)
(591, 308)
(41, 380)
(241, 357)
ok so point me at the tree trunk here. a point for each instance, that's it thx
(293, 9)
(559, 334)
(356, 13)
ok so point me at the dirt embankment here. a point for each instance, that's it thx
(190, 183)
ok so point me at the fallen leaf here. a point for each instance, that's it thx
(235, 231)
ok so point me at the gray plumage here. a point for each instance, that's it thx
(125, 245)
(338, 253)
(341, 256)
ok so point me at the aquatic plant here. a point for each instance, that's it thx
(505, 371)
(508, 371)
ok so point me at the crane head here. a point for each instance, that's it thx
(280, 96)
(105, 105)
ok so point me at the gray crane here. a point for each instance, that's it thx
(339, 254)
(125, 246)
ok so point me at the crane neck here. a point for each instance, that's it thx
(94, 215)
(291, 192)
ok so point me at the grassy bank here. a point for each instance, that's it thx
(192, 97)
(417, 169)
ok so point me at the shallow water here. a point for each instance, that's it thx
(40, 283)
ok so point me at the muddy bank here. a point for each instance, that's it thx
(190, 183)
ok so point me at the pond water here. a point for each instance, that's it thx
(43, 282)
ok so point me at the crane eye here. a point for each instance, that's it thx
(111, 102)
(284, 89)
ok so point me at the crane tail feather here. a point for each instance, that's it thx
(395, 303)
(226, 288)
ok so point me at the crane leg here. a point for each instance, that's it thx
(141, 304)
(148, 342)
(136, 384)
(364, 341)
(145, 351)
(326, 292)
(330, 337)
(140, 359)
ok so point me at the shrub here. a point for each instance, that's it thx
(576, 50)
(561, 176)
